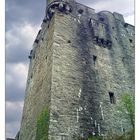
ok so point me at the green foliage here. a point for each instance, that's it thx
(43, 125)
(127, 107)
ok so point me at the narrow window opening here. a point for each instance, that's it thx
(45, 20)
(30, 57)
(80, 11)
(48, 24)
(69, 41)
(113, 28)
(125, 25)
(31, 76)
(123, 60)
(130, 40)
(109, 44)
(123, 130)
(39, 32)
(36, 41)
(102, 40)
(94, 59)
(101, 19)
(112, 97)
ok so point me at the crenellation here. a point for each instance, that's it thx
(118, 17)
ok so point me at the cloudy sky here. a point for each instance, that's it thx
(23, 20)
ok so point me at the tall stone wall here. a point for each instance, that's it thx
(38, 89)
(81, 64)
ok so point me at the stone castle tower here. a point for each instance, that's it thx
(80, 65)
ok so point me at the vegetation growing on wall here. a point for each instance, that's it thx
(127, 107)
(43, 125)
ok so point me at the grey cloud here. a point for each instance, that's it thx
(13, 117)
(17, 54)
(15, 90)
(22, 19)
(19, 40)
(125, 7)
(12, 128)
(13, 111)
(15, 81)
(116, 5)
(14, 93)
(18, 11)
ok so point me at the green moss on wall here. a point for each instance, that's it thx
(43, 125)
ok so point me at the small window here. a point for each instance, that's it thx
(44, 20)
(125, 25)
(113, 28)
(123, 59)
(101, 19)
(102, 40)
(69, 41)
(36, 41)
(112, 97)
(130, 40)
(80, 11)
(39, 32)
(94, 59)
(30, 57)
(31, 76)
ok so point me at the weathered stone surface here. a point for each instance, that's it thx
(78, 60)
